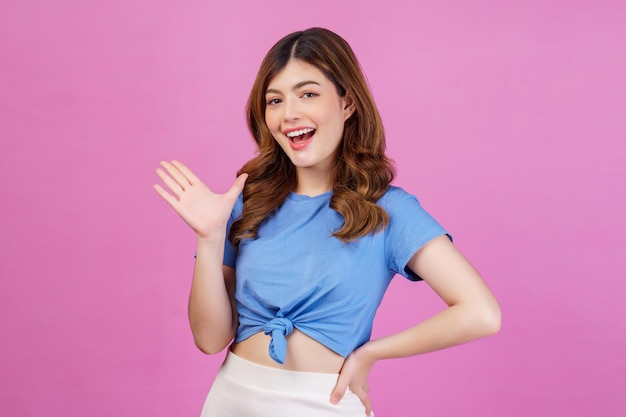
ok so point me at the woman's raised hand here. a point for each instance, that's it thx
(204, 211)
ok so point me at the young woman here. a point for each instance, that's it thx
(294, 259)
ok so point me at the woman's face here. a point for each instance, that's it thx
(306, 115)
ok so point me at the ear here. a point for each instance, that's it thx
(349, 106)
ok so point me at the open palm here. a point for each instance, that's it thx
(203, 210)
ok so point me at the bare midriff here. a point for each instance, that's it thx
(304, 354)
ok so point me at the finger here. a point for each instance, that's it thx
(175, 173)
(166, 196)
(365, 400)
(171, 184)
(238, 185)
(338, 392)
(191, 177)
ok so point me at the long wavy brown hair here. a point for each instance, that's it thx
(362, 172)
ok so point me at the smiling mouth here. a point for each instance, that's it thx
(300, 136)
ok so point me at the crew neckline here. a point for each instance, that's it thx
(302, 197)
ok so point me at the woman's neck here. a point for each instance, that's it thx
(312, 182)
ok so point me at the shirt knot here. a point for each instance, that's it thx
(278, 328)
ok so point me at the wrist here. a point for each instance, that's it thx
(217, 236)
(210, 245)
(368, 353)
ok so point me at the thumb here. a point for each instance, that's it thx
(237, 186)
(339, 391)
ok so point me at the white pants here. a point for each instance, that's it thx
(246, 389)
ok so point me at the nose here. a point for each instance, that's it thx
(292, 111)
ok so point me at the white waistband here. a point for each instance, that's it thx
(275, 379)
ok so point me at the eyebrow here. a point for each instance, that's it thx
(295, 87)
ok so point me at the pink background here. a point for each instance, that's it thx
(507, 119)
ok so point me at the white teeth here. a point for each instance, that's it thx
(299, 132)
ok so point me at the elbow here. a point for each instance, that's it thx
(211, 339)
(209, 347)
(490, 319)
(482, 319)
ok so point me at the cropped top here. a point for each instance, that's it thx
(297, 275)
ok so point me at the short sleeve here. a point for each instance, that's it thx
(230, 252)
(410, 227)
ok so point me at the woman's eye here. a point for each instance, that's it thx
(273, 101)
(309, 95)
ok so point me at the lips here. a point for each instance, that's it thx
(301, 142)
(300, 138)
(298, 132)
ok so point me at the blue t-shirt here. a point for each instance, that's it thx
(296, 274)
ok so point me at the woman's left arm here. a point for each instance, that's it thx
(472, 313)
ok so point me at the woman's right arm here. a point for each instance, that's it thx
(212, 312)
